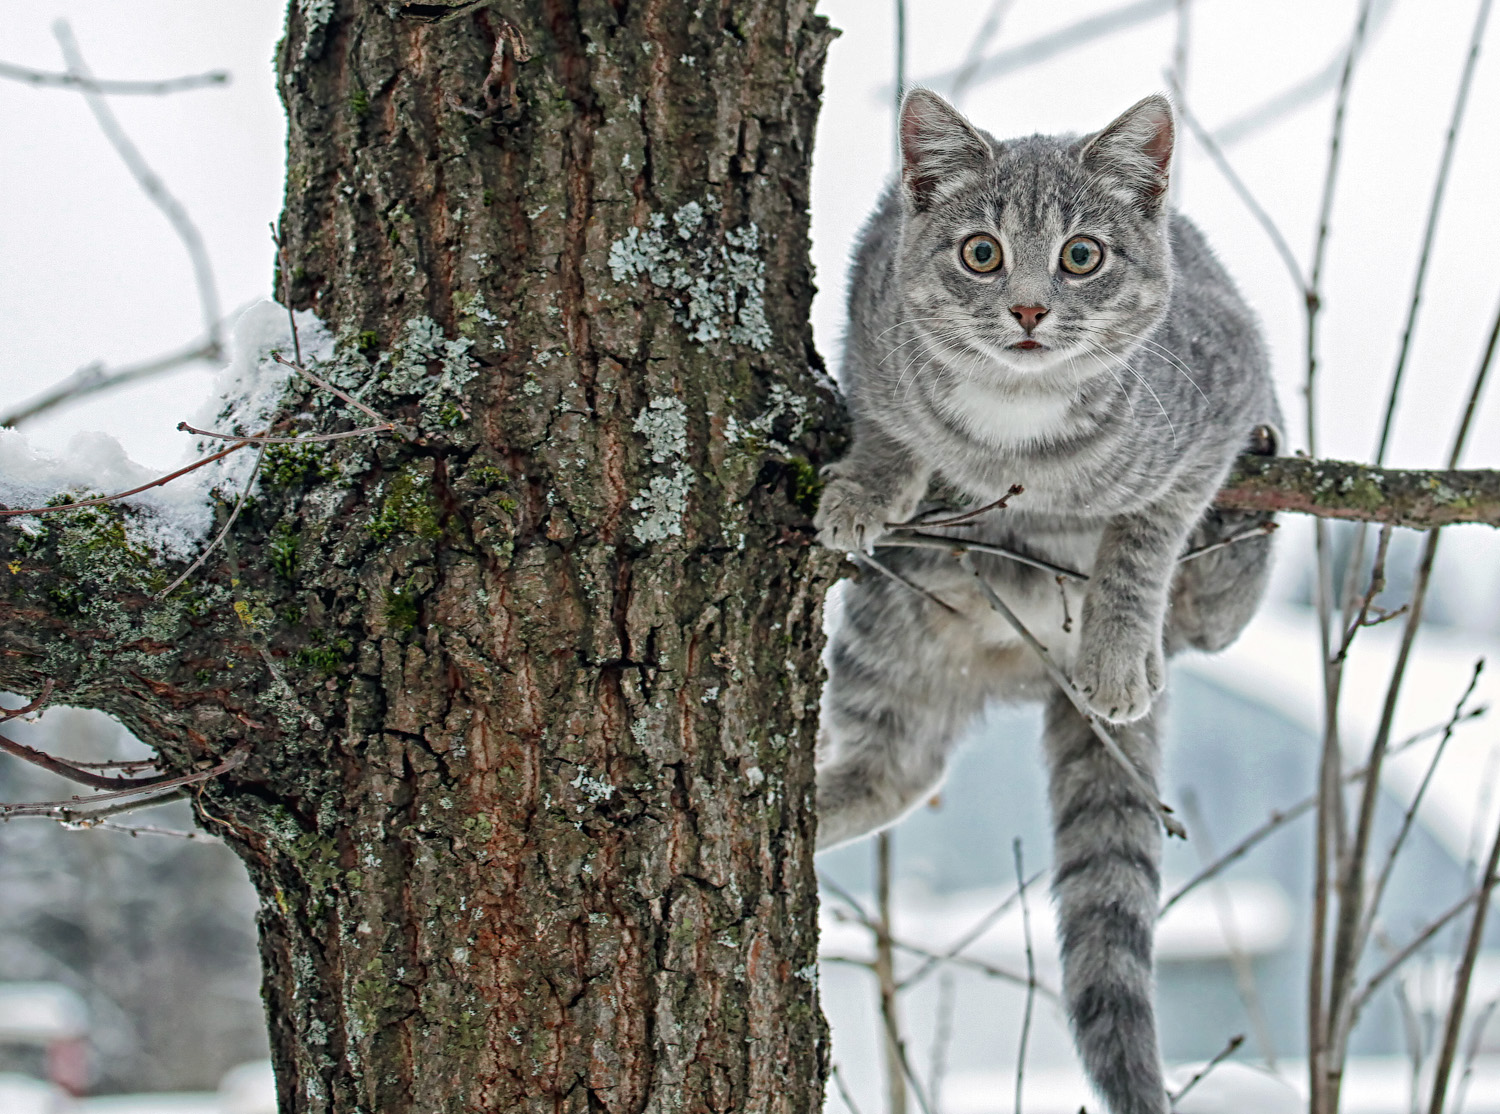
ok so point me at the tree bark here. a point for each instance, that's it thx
(529, 697)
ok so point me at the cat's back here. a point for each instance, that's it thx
(873, 299)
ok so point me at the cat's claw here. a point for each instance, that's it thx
(1117, 683)
(850, 517)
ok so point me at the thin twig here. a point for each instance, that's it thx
(1239, 959)
(1377, 892)
(1279, 819)
(1265, 529)
(283, 273)
(982, 926)
(1462, 979)
(46, 79)
(1172, 825)
(942, 1039)
(885, 570)
(78, 808)
(965, 516)
(64, 769)
(838, 1081)
(101, 500)
(1412, 946)
(301, 439)
(1471, 1053)
(345, 395)
(138, 830)
(1224, 1053)
(885, 978)
(1242, 191)
(94, 378)
(239, 504)
(1377, 585)
(1412, 1031)
(988, 29)
(150, 183)
(1429, 234)
(912, 539)
(1030, 973)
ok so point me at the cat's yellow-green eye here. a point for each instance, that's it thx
(981, 253)
(1082, 255)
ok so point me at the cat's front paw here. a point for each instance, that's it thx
(1119, 679)
(850, 516)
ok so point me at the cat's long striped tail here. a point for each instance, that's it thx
(1106, 855)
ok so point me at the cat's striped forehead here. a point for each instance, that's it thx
(1039, 185)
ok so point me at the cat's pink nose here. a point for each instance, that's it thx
(1028, 316)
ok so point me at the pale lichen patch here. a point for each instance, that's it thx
(719, 287)
(663, 422)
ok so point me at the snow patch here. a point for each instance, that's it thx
(174, 519)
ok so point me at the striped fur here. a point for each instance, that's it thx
(1121, 429)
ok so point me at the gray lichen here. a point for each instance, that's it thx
(663, 421)
(719, 287)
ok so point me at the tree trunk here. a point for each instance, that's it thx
(529, 693)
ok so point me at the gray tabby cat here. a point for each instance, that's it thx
(1032, 312)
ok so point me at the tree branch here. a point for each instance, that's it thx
(1418, 499)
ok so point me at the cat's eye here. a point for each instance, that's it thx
(981, 253)
(1082, 255)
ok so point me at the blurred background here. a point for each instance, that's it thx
(127, 962)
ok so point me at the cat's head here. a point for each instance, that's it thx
(1041, 260)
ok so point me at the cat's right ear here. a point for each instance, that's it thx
(937, 145)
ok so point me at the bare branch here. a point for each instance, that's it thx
(1242, 191)
(885, 570)
(1434, 211)
(982, 926)
(1463, 977)
(1227, 1051)
(239, 504)
(1030, 974)
(296, 439)
(988, 29)
(1412, 947)
(45, 79)
(1112, 748)
(1418, 499)
(94, 378)
(63, 768)
(150, 183)
(89, 825)
(1280, 819)
(101, 500)
(1377, 892)
(76, 809)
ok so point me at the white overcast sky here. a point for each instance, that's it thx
(91, 271)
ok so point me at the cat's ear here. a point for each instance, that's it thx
(937, 145)
(1137, 147)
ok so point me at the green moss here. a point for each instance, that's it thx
(283, 548)
(450, 416)
(487, 476)
(488, 197)
(291, 465)
(408, 508)
(324, 655)
(806, 484)
(401, 611)
(367, 341)
(359, 102)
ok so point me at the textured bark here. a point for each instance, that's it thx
(1421, 500)
(529, 795)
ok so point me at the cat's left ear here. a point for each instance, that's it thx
(1137, 147)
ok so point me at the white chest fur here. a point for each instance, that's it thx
(1009, 418)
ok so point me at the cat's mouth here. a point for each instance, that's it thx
(1027, 345)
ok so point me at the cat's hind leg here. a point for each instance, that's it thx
(901, 691)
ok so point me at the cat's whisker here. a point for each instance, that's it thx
(1154, 345)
